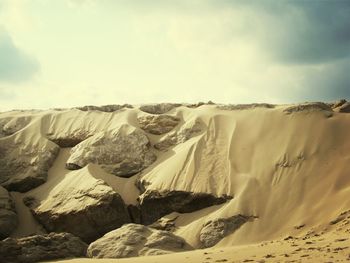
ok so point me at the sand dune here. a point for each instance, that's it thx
(285, 168)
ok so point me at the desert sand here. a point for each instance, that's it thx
(284, 168)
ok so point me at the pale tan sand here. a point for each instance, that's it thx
(287, 170)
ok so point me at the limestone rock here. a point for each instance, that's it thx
(105, 108)
(123, 152)
(308, 107)
(158, 124)
(24, 167)
(8, 215)
(213, 231)
(158, 108)
(136, 240)
(176, 137)
(41, 247)
(87, 208)
(155, 204)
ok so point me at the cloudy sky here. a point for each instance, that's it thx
(62, 53)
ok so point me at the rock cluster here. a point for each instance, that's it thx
(41, 247)
(87, 209)
(160, 108)
(136, 240)
(308, 107)
(213, 231)
(8, 215)
(158, 124)
(24, 168)
(245, 106)
(105, 108)
(123, 152)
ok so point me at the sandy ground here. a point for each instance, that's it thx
(287, 170)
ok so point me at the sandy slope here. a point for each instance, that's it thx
(285, 169)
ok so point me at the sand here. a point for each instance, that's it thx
(287, 170)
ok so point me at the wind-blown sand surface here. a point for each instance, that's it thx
(289, 171)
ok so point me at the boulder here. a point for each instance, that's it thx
(215, 230)
(186, 132)
(81, 205)
(133, 240)
(8, 215)
(160, 108)
(123, 152)
(25, 166)
(41, 247)
(158, 124)
(156, 204)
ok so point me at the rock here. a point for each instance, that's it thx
(135, 214)
(9, 126)
(158, 124)
(24, 167)
(337, 104)
(245, 106)
(123, 152)
(8, 215)
(213, 231)
(41, 247)
(69, 140)
(345, 107)
(133, 240)
(186, 132)
(105, 108)
(83, 206)
(155, 204)
(196, 105)
(167, 224)
(308, 107)
(160, 108)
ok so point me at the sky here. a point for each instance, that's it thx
(65, 53)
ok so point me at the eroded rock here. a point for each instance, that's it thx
(186, 132)
(345, 107)
(308, 107)
(213, 231)
(65, 140)
(123, 152)
(24, 167)
(136, 240)
(105, 108)
(158, 124)
(8, 215)
(155, 204)
(160, 108)
(245, 106)
(41, 247)
(9, 126)
(87, 208)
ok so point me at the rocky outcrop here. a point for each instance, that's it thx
(187, 131)
(245, 106)
(105, 108)
(308, 107)
(160, 108)
(196, 105)
(158, 124)
(24, 168)
(342, 107)
(88, 208)
(41, 247)
(8, 215)
(167, 224)
(136, 240)
(9, 126)
(155, 204)
(213, 231)
(65, 140)
(123, 152)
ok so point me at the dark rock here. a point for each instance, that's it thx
(345, 108)
(105, 108)
(85, 210)
(8, 215)
(41, 247)
(24, 168)
(245, 106)
(308, 107)
(213, 231)
(133, 240)
(166, 224)
(134, 213)
(155, 204)
(158, 124)
(69, 140)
